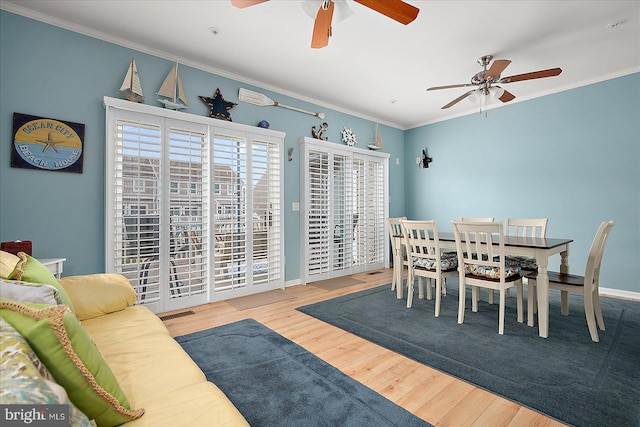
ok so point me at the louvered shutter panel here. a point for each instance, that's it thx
(318, 213)
(230, 174)
(266, 212)
(345, 196)
(135, 202)
(189, 218)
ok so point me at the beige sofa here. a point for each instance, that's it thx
(150, 367)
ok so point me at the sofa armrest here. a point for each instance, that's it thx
(94, 295)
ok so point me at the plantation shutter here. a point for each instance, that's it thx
(229, 177)
(318, 213)
(266, 212)
(375, 205)
(189, 214)
(247, 180)
(136, 206)
(359, 183)
(345, 201)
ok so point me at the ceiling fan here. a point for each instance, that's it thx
(395, 9)
(486, 81)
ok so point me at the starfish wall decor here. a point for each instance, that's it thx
(218, 106)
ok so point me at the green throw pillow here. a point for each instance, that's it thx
(65, 348)
(25, 380)
(30, 269)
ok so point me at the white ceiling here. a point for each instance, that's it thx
(373, 67)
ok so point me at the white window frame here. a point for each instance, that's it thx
(323, 250)
(117, 106)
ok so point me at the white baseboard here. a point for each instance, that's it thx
(292, 283)
(617, 293)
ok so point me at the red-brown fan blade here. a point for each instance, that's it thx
(397, 10)
(551, 72)
(458, 99)
(450, 86)
(507, 96)
(241, 4)
(496, 69)
(322, 27)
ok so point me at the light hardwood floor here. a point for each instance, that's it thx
(431, 395)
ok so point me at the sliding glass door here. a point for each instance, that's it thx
(193, 210)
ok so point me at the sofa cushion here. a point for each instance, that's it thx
(25, 380)
(156, 373)
(7, 264)
(63, 345)
(98, 294)
(30, 269)
(18, 290)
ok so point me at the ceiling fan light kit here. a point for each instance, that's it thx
(486, 82)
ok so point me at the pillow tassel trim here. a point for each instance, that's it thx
(55, 314)
(17, 271)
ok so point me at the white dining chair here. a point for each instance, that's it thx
(587, 285)
(481, 264)
(427, 262)
(397, 248)
(490, 298)
(527, 228)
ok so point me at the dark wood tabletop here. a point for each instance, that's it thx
(525, 242)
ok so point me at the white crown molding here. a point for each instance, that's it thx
(28, 13)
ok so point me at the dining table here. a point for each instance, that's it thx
(542, 249)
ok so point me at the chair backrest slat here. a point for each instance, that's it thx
(526, 227)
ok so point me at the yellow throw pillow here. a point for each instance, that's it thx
(7, 264)
(96, 294)
(66, 349)
(31, 270)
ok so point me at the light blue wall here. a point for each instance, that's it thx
(573, 157)
(51, 72)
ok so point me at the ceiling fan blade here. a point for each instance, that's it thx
(450, 86)
(496, 69)
(551, 72)
(507, 96)
(397, 10)
(241, 4)
(322, 26)
(458, 99)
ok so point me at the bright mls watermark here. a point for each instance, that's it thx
(35, 415)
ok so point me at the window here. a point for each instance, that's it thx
(160, 237)
(137, 186)
(345, 201)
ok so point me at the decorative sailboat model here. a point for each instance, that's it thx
(131, 88)
(377, 141)
(171, 93)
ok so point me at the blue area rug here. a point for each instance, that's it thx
(566, 376)
(275, 382)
